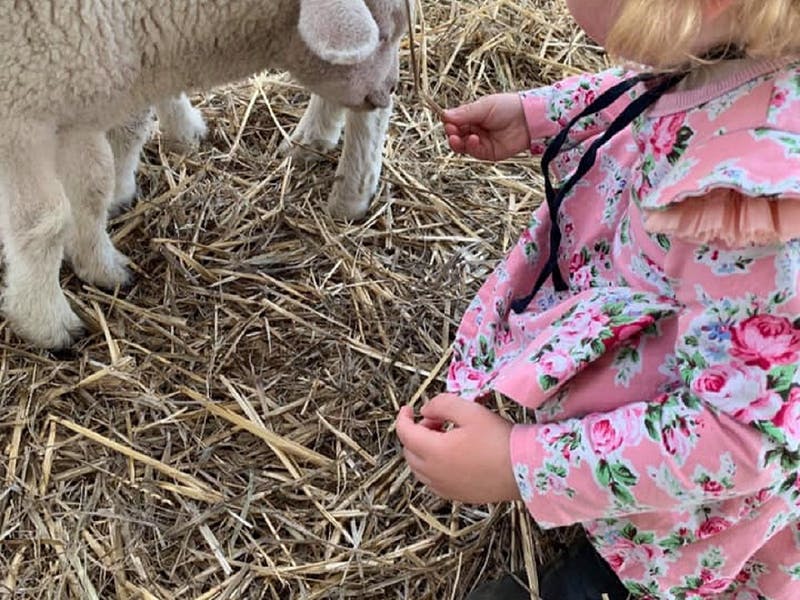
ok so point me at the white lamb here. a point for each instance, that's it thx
(77, 78)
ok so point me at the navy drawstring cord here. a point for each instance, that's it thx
(556, 197)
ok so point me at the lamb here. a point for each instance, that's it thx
(76, 84)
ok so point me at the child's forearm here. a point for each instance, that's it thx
(549, 109)
(672, 453)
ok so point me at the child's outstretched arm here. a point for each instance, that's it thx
(500, 126)
(549, 109)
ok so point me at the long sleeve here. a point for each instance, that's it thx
(672, 452)
(665, 382)
(729, 429)
(549, 109)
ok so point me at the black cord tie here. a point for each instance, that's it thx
(555, 197)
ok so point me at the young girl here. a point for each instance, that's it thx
(649, 314)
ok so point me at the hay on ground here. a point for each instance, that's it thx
(226, 430)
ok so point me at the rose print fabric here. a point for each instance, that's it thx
(665, 381)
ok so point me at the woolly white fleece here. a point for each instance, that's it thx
(76, 83)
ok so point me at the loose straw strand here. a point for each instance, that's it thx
(418, 89)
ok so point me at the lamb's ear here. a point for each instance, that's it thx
(341, 32)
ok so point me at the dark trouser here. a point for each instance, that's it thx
(579, 574)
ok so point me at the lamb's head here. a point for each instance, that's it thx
(347, 50)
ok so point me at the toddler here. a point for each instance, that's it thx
(649, 314)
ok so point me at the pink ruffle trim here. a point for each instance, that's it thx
(730, 218)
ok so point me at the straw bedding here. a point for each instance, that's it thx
(226, 429)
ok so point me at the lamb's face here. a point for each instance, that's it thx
(369, 83)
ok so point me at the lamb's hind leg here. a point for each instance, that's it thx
(318, 131)
(182, 125)
(360, 164)
(126, 143)
(34, 216)
(86, 168)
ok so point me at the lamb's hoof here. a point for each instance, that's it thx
(348, 211)
(124, 198)
(107, 271)
(184, 135)
(181, 146)
(306, 151)
(67, 354)
(350, 200)
(119, 208)
(50, 327)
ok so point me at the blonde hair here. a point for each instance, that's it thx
(661, 33)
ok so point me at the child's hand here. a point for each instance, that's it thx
(471, 462)
(493, 128)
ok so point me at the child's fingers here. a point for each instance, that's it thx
(457, 144)
(452, 129)
(432, 424)
(448, 407)
(414, 437)
(421, 476)
(416, 463)
(475, 112)
(469, 144)
(464, 130)
(403, 422)
(406, 413)
(474, 147)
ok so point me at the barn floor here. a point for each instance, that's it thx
(226, 429)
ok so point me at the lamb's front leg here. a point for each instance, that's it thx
(86, 169)
(318, 131)
(360, 163)
(34, 216)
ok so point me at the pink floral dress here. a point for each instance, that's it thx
(665, 381)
